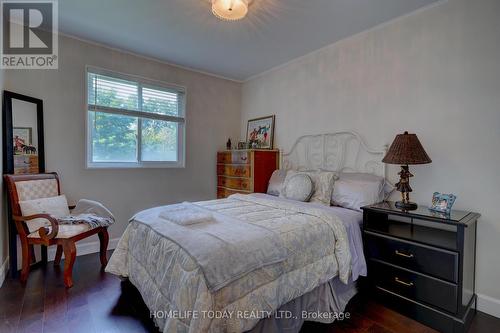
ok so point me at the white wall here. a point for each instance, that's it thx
(213, 115)
(435, 73)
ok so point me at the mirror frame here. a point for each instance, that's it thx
(8, 148)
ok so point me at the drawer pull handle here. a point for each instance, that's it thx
(407, 284)
(409, 255)
(243, 158)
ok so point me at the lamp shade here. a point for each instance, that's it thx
(406, 149)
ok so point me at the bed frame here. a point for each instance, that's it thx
(343, 151)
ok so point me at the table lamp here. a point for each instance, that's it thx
(406, 150)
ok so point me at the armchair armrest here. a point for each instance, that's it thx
(42, 231)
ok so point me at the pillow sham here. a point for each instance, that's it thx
(276, 182)
(355, 190)
(56, 206)
(297, 186)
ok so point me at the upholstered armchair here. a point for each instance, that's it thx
(44, 229)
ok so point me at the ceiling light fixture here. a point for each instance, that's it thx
(230, 10)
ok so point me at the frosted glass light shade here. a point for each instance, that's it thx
(230, 10)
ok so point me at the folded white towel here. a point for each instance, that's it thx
(186, 216)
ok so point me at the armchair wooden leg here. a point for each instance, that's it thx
(31, 249)
(26, 260)
(104, 240)
(59, 252)
(43, 251)
(69, 249)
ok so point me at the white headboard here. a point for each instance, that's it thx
(340, 152)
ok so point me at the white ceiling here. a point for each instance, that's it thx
(186, 33)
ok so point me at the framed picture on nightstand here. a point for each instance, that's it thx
(442, 202)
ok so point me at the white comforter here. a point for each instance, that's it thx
(171, 281)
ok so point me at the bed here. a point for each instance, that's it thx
(268, 263)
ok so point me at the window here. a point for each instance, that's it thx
(133, 122)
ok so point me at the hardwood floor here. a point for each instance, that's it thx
(100, 302)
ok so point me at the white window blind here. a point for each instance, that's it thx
(133, 122)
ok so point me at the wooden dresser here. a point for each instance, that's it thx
(25, 164)
(245, 171)
(423, 263)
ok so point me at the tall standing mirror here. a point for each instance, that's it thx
(22, 134)
(23, 150)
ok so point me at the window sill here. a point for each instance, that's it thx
(143, 165)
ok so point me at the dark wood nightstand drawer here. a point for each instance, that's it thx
(414, 286)
(420, 258)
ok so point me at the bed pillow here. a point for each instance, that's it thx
(355, 190)
(56, 206)
(276, 182)
(385, 188)
(297, 186)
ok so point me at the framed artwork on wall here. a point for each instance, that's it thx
(260, 132)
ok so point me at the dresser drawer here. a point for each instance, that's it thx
(415, 286)
(224, 192)
(234, 157)
(235, 183)
(233, 170)
(420, 258)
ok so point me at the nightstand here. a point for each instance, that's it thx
(422, 263)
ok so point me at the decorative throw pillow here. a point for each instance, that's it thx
(56, 206)
(276, 182)
(297, 186)
(323, 186)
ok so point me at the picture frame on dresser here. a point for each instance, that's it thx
(422, 263)
(21, 135)
(260, 132)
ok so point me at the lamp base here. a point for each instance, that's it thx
(406, 205)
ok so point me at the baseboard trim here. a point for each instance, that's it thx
(488, 305)
(84, 248)
(4, 270)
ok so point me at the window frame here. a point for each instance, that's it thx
(142, 82)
